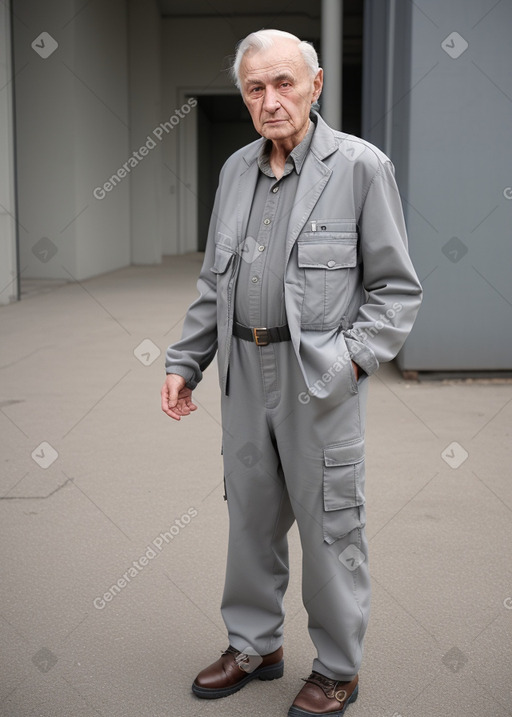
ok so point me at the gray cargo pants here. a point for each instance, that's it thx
(289, 456)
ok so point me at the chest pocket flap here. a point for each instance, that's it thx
(335, 251)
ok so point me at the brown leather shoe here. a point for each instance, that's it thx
(323, 697)
(233, 670)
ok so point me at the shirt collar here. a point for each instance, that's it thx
(295, 159)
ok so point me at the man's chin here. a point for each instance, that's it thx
(277, 130)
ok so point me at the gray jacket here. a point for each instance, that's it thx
(350, 289)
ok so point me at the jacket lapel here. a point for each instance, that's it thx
(312, 180)
(246, 188)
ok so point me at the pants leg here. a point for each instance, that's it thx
(321, 450)
(260, 514)
(287, 459)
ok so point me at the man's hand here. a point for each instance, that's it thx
(176, 398)
(356, 370)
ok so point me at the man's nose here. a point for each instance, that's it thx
(271, 100)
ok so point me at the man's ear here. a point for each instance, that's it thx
(318, 83)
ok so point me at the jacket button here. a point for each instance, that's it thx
(331, 263)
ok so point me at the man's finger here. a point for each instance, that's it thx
(165, 398)
(172, 397)
(172, 414)
(168, 404)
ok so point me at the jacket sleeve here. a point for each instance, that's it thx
(392, 289)
(193, 353)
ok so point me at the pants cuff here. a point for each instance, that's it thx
(341, 677)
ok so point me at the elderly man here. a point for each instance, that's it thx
(306, 288)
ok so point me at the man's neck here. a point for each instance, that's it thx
(282, 148)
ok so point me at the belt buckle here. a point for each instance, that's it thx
(258, 340)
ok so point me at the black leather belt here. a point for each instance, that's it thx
(262, 336)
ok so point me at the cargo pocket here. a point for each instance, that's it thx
(343, 489)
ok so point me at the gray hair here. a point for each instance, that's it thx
(262, 40)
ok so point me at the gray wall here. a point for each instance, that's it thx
(450, 140)
(72, 134)
(144, 27)
(81, 113)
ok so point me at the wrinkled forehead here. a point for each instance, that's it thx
(283, 58)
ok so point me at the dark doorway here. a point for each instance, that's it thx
(352, 66)
(223, 126)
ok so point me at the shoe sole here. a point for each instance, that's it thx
(297, 712)
(271, 672)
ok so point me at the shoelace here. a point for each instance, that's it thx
(231, 651)
(241, 659)
(329, 687)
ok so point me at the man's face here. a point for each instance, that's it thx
(278, 90)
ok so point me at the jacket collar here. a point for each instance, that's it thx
(312, 180)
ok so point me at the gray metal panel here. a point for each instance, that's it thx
(452, 148)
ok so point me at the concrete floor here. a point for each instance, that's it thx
(93, 473)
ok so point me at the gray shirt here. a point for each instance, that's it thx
(259, 295)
